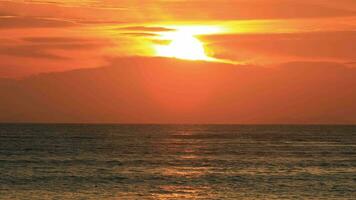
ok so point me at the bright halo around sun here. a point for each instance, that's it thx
(184, 44)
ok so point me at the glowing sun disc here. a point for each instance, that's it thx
(183, 46)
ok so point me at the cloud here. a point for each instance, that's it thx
(42, 51)
(66, 43)
(10, 22)
(202, 10)
(352, 63)
(31, 55)
(4, 14)
(162, 90)
(142, 31)
(5, 41)
(43, 47)
(333, 45)
(228, 10)
(145, 29)
(140, 34)
(41, 39)
(28, 51)
(255, 9)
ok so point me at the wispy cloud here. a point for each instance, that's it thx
(336, 45)
(9, 22)
(145, 28)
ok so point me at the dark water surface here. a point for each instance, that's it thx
(177, 162)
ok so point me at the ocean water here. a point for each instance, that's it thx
(177, 162)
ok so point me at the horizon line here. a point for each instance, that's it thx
(202, 124)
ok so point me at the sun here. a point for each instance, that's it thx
(184, 44)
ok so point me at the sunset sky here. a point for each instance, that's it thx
(176, 61)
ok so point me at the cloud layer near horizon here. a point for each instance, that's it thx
(260, 31)
(161, 90)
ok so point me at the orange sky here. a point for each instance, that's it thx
(270, 61)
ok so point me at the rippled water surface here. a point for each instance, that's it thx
(177, 162)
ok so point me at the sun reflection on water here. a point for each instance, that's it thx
(181, 192)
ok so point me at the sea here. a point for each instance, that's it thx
(161, 162)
